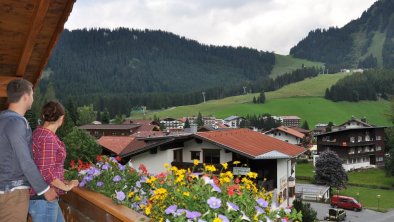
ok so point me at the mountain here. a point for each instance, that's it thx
(126, 67)
(367, 42)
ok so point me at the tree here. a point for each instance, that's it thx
(72, 111)
(50, 94)
(254, 99)
(308, 213)
(305, 125)
(119, 119)
(261, 98)
(187, 123)
(329, 170)
(329, 126)
(199, 121)
(80, 145)
(327, 94)
(105, 117)
(389, 158)
(86, 114)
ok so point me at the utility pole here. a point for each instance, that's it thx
(244, 89)
(203, 96)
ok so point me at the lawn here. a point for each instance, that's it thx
(368, 197)
(288, 63)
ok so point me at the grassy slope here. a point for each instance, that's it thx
(311, 106)
(288, 63)
(376, 47)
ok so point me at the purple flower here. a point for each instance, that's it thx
(223, 218)
(138, 184)
(232, 206)
(259, 210)
(100, 184)
(262, 202)
(88, 178)
(120, 195)
(117, 178)
(216, 188)
(214, 202)
(171, 209)
(143, 179)
(179, 212)
(121, 167)
(192, 214)
(105, 166)
(82, 183)
(200, 220)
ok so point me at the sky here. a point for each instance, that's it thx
(268, 25)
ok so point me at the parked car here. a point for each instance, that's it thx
(345, 202)
(335, 214)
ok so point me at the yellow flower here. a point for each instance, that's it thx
(173, 168)
(196, 162)
(236, 162)
(147, 211)
(210, 168)
(225, 165)
(217, 220)
(166, 165)
(252, 175)
(130, 194)
(137, 198)
(186, 193)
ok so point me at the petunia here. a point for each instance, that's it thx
(99, 184)
(171, 209)
(232, 206)
(262, 202)
(244, 217)
(192, 214)
(82, 184)
(259, 210)
(216, 188)
(120, 195)
(105, 166)
(121, 167)
(117, 178)
(214, 202)
(223, 218)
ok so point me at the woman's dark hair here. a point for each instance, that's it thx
(52, 111)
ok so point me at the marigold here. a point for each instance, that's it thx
(236, 162)
(225, 165)
(196, 162)
(217, 220)
(166, 165)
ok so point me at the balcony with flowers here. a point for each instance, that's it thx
(174, 195)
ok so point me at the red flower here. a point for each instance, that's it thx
(118, 158)
(143, 169)
(72, 164)
(99, 158)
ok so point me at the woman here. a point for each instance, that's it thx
(49, 154)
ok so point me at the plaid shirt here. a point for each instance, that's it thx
(49, 154)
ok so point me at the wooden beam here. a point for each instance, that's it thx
(39, 14)
(55, 36)
(4, 80)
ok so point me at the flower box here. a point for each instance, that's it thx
(81, 204)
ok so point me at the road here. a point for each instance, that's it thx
(351, 216)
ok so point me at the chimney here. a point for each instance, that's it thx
(193, 128)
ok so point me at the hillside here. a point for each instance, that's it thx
(286, 64)
(304, 99)
(126, 67)
(366, 42)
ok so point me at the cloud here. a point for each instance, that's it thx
(269, 25)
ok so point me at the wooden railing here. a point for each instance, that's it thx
(84, 205)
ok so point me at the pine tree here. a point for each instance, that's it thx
(327, 94)
(261, 98)
(105, 119)
(199, 121)
(254, 99)
(305, 125)
(72, 111)
(187, 123)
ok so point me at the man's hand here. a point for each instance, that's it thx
(50, 194)
(74, 183)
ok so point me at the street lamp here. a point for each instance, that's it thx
(378, 200)
(357, 196)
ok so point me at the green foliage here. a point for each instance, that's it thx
(363, 86)
(305, 125)
(105, 118)
(72, 111)
(261, 98)
(80, 145)
(67, 126)
(187, 123)
(389, 146)
(86, 115)
(329, 170)
(308, 213)
(287, 64)
(32, 119)
(365, 41)
(199, 120)
(119, 119)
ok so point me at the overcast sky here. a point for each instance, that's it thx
(269, 25)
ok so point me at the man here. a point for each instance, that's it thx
(18, 171)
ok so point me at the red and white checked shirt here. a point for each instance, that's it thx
(49, 154)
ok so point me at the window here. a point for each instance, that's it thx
(351, 151)
(379, 159)
(359, 150)
(359, 139)
(178, 155)
(366, 149)
(211, 156)
(352, 139)
(195, 155)
(378, 148)
(378, 138)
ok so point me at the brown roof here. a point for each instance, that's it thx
(109, 126)
(29, 31)
(250, 143)
(299, 129)
(116, 143)
(290, 131)
(148, 133)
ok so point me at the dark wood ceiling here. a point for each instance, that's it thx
(29, 29)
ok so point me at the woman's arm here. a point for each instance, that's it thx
(64, 186)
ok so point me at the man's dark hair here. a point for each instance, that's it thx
(17, 88)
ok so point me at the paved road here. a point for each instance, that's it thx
(351, 216)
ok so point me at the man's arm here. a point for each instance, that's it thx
(16, 133)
